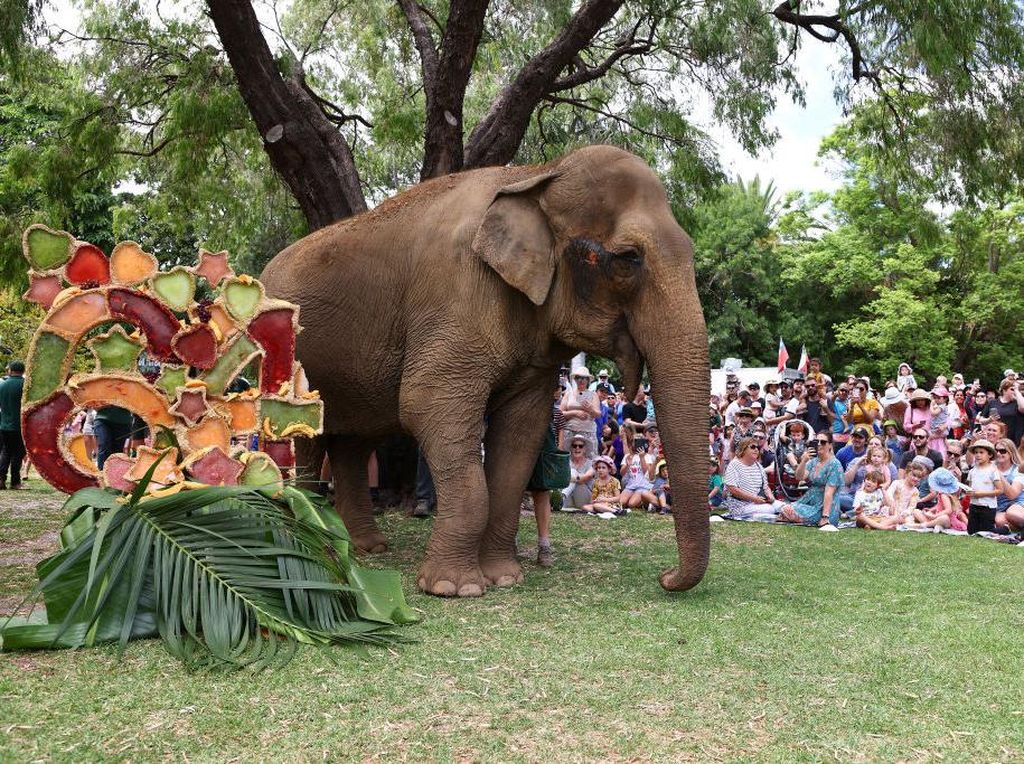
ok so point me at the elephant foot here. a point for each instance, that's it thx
(373, 542)
(447, 580)
(502, 571)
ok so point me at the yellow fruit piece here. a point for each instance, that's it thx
(302, 430)
(267, 429)
(79, 453)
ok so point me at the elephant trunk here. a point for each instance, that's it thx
(676, 350)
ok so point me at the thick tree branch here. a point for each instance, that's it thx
(496, 138)
(629, 47)
(415, 16)
(445, 78)
(304, 146)
(788, 12)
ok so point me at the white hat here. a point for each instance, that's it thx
(603, 373)
(892, 395)
(1008, 372)
(580, 371)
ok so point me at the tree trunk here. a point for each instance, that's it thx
(304, 147)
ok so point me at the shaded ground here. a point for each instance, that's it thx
(798, 646)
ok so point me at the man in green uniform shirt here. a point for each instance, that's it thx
(10, 425)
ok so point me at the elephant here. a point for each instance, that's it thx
(455, 302)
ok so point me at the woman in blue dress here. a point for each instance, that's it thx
(824, 474)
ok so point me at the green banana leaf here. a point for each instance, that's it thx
(227, 576)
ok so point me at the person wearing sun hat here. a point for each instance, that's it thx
(947, 512)
(581, 408)
(986, 484)
(905, 378)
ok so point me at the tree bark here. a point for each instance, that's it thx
(445, 78)
(495, 140)
(304, 147)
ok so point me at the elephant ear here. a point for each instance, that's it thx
(515, 239)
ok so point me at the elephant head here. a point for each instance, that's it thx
(591, 241)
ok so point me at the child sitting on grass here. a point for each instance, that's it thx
(662, 489)
(871, 505)
(716, 483)
(604, 496)
(947, 507)
(903, 494)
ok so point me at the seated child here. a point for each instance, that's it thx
(871, 505)
(661, 488)
(903, 494)
(604, 496)
(795, 441)
(716, 483)
(947, 509)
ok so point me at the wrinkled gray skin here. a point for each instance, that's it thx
(457, 300)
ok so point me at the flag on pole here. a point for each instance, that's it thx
(783, 355)
(805, 362)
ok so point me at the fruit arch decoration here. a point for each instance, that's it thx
(201, 346)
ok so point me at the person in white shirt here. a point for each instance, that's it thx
(602, 378)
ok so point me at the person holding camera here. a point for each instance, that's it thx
(1009, 406)
(824, 476)
(638, 472)
(746, 483)
(581, 409)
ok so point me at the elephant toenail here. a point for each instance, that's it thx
(471, 590)
(506, 580)
(444, 588)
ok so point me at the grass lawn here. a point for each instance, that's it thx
(798, 645)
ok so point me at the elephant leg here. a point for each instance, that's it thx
(348, 457)
(452, 450)
(514, 433)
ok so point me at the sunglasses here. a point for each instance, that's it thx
(753, 448)
(821, 442)
(920, 437)
(577, 448)
(960, 453)
(1002, 451)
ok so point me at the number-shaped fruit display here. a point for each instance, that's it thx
(124, 310)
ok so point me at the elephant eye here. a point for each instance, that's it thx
(629, 254)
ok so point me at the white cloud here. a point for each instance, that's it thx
(793, 163)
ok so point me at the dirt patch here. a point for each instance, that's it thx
(30, 551)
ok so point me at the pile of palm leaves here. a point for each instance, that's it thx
(227, 576)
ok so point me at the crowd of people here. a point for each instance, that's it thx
(810, 450)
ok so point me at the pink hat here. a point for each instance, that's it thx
(940, 391)
(606, 460)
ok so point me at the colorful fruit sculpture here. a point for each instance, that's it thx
(200, 345)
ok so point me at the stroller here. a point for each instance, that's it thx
(787, 488)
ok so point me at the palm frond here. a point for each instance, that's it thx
(227, 576)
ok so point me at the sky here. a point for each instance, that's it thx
(792, 163)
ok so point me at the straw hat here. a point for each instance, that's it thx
(919, 395)
(581, 371)
(982, 443)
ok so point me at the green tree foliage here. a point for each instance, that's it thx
(739, 271)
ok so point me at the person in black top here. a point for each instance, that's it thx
(919, 447)
(1008, 408)
(636, 411)
(819, 414)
